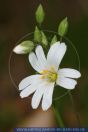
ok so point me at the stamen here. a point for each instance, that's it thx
(51, 75)
(44, 72)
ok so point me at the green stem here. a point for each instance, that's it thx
(73, 105)
(40, 26)
(58, 117)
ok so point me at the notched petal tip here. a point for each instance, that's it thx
(44, 109)
(67, 83)
(39, 46)
(31, 57)
(46, 104)
(20, 87)
(74, 85)
(78, 75)
(70, 73)
(63, 45)
(21, 95)
(34, 106)
(56, 44)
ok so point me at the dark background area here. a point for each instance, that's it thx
(17, 19)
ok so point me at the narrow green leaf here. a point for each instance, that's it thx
(54, 39)
(40, 14)
(37, 35)
(63, 27)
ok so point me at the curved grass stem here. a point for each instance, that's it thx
(75, 111)
(58, 116)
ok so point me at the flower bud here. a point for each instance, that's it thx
(40, 14)
(24, 48)
(63, 27)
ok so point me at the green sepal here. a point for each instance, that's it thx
(44, 40)
(37, 35)
(28, 46)
(54, 39)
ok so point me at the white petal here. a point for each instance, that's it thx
(38, 95)
(47, 97)
(28, 90)
(66, 82)
(19, 49)
(56, 54)
(31, 88)
(38, 61)
(71, 73)
(28, 81)
(34, 62)
(41, 56)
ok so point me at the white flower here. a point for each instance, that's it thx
(49, 75)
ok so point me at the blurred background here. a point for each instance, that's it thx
(17, 18)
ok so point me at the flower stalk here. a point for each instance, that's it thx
(58, 116)
(75, 111)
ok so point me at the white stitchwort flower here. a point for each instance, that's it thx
(42, 84)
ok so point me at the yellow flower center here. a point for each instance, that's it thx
(50, 75)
